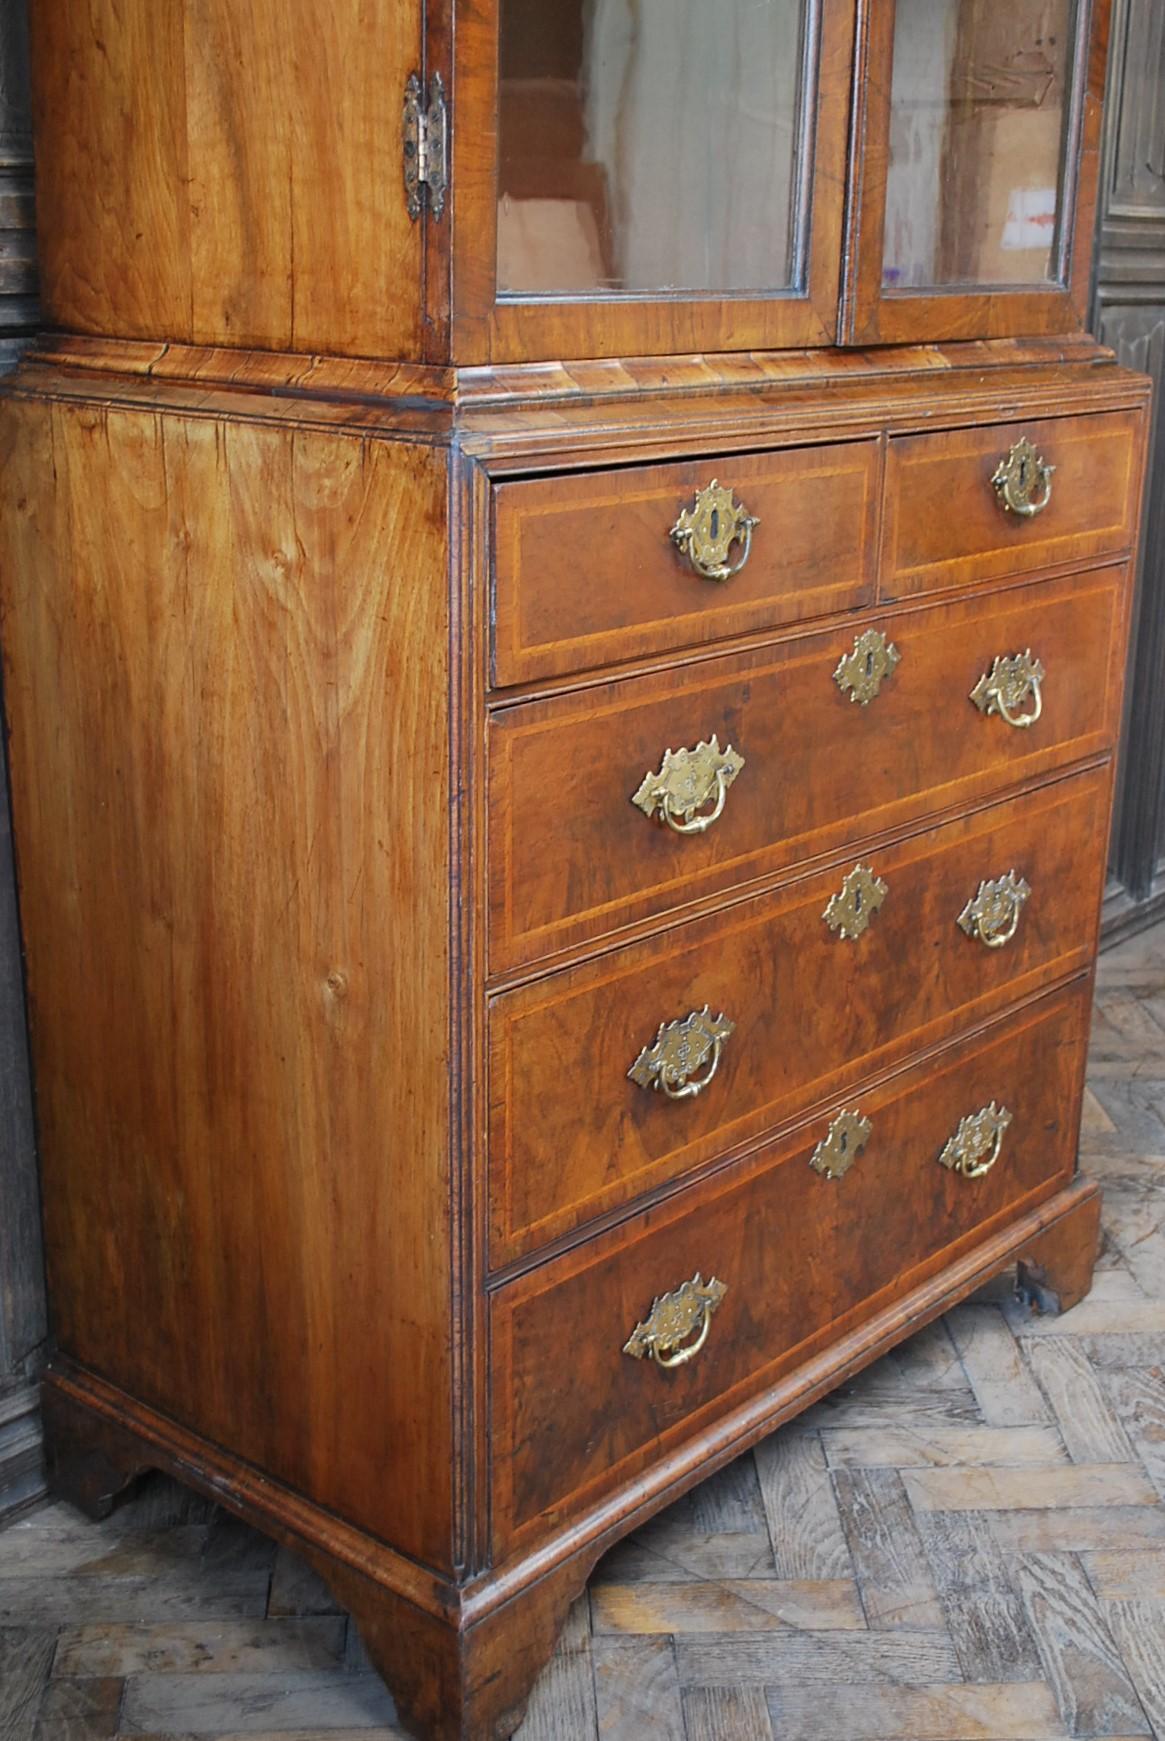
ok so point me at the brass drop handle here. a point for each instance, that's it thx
(706, 532)
(703, 820)
(992, 915)
(671, 1065)
(978, 1142)
(665, 1335)
(688, 782)
(1023, 481)
(1015, 681)
(697, 1085)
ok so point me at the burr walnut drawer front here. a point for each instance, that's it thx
(970, 505)
(605, 1358)
(597, 567)
(613, 805)
(622, 1074)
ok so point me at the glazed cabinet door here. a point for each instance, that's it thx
(647, 177)
(974, 170)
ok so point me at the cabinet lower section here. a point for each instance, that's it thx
(376, 1009)
(461, 1660)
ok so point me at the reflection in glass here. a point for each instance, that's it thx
(649, 145)
(980, 105)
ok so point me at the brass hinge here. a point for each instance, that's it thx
(426, 132)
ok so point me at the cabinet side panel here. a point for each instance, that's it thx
(226, 652)
(228, 172)
(112, 204)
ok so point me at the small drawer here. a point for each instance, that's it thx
(969, 505)
(587, 572)
(924, 937)
(800, 1257)
(795, 766)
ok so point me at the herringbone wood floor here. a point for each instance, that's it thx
(967, 1542)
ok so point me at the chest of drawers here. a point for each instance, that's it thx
(560, 896)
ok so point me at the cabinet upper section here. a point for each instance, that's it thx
(583, 178)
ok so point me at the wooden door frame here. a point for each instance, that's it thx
(486, 329)
(872, 316)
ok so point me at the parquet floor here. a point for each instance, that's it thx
(969, 1542)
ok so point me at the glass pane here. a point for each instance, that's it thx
(980, 101)
(650, 145)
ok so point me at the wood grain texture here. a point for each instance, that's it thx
(898, 1592)
(209, 173)
(812, 1012)
(586, 574)
(561, 1438)
(80, 1580)
(572, 858)
(213, 685)
(945, 526)
(1093, 1689)
(801, 1510)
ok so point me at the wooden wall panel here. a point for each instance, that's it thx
(17, 238)
(1129, 315)
(23, 1324)
(226, 667)
(207, 174)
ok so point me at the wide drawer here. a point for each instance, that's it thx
(802, 1257)
(812, 1006)
(572, 857)
(947, 522)
(586, 572)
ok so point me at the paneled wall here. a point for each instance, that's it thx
(17, 241)
(1129, 315)
(22, 1310)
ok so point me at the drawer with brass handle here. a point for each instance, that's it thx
(618, 1075)
(799, 1242)
(592, 568)
(615, 806)
(965, 506)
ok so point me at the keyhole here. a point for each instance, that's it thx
(844, 1144)
(857, 900)
(1023, 471)
(869, 664)
(714, 525)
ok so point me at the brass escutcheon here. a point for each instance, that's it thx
(680, 1049)
(993, 914)
(1023, 481)
(980, 1134)
(859, 898)
(687, 782)
(1013, 680)
(706, 532)
(862, 673)
(836, 1153)
(664, 1334)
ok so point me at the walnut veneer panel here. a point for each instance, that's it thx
(945, 525)
(586, 574)
(799, 1254)
(572, 858)
(228, 172)
(237, 932)
(572, 1137)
